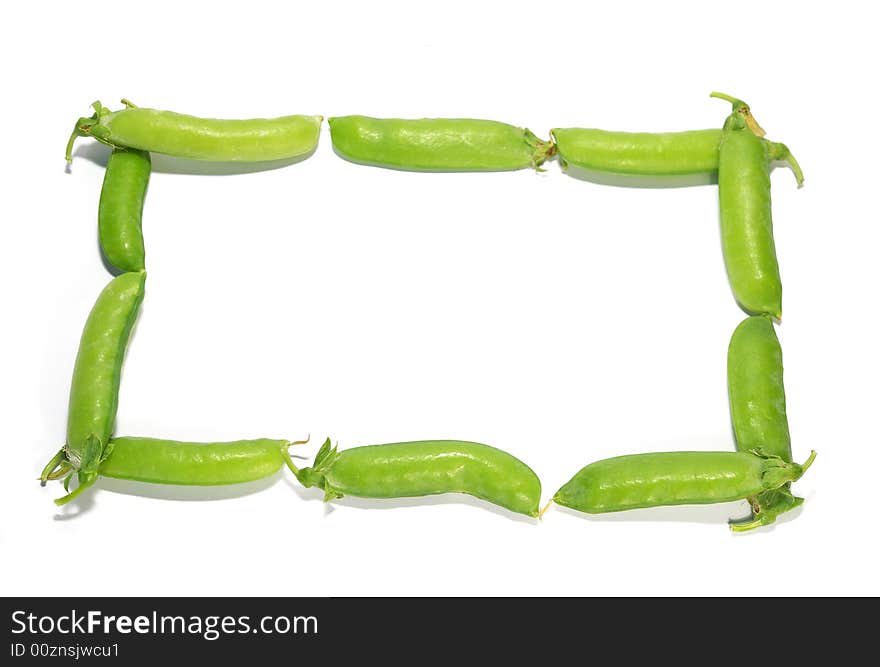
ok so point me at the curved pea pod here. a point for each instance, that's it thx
(121, 206)
(675, 478)
(193, 463)
(757, 408)
(180, 135)
(422, 468)
(749, 250)
(94, 389)
(437, 144)
(639, 153)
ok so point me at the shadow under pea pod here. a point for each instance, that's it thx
(639, 181)
(98, 153)
(188, 493)
(313, 494)
(76, 507)
(717, 514)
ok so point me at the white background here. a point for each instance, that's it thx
(561, 320)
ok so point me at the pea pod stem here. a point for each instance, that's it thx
(82, 128)
(544, 509)
(723, 96)
(741, 108)
(767, 516)
(781, 153)
(806, 464)
(304, 475)
(85, 481)
(544, 150)
(68, 153)
(745, 526)
(766, 508)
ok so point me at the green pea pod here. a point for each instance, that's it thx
(744, 161)
(757, 408)
(121, 206)
(756, 390)
(639, 153)
(694, 152)
(180, 135)
(94, 390)
(675, 478)
(437, 144)
(407, 469)
(193, 463)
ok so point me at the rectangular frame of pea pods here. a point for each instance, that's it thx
(676, 181)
